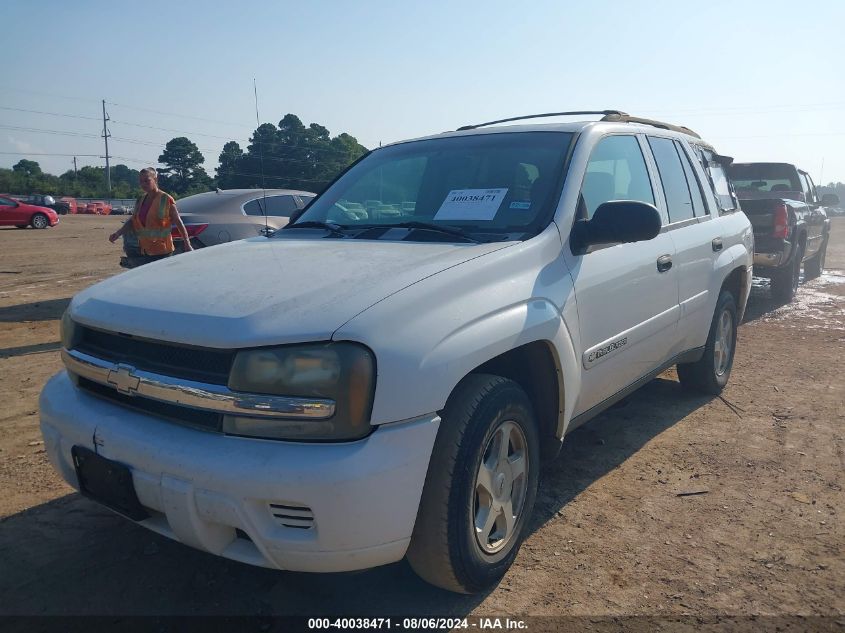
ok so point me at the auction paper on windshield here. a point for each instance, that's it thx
(471, 204)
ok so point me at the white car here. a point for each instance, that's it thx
(383, 377)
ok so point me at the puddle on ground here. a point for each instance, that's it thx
(813, 307)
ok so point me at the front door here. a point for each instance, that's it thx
(627, 294)
(9, 214)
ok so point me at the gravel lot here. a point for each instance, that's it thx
(610, 536)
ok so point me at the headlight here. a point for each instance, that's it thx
(68, 332)
(342, 372)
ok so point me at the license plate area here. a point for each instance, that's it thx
(107, 482)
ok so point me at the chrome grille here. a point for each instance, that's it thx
(192, 363)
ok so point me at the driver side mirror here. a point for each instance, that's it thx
(617, 222)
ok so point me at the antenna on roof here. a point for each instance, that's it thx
(260, 158)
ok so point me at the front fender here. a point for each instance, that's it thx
(427, 337)
(484, 339)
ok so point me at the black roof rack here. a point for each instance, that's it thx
(614, 116)
(539, 116)
(621, 117)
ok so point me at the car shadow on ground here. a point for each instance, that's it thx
(49, 310)
(608, 440)
(25, 350)
(760, 300)
(71, 556)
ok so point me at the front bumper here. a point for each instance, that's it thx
(348, 505)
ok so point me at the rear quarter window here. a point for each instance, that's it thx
(718, 184)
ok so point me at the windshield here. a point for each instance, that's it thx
(493, 183)
(764, 177)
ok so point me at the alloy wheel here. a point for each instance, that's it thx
(722, 346)
(500, 487)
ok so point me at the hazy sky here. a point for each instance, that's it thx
(760, 80)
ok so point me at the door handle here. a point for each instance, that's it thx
(717, 244)
(664, 263)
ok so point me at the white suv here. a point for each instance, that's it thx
(383, 377)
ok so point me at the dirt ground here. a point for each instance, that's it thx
(610, 536)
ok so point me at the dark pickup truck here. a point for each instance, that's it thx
(59, 206)
(791, 226)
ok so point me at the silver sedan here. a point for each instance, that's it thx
(226, 215)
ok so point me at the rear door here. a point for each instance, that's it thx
(695, 234)
(627, 295)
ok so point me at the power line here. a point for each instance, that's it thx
(69, 116)
(783, 135)
(317, 150)
(164, 129)
(184, 116)
(833, 105)
(42, 131)
(48, 154)
(50, 94)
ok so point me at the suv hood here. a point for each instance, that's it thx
(263, 292)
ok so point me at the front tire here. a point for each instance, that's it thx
(710, 373)
(480, 487)
(40, 221)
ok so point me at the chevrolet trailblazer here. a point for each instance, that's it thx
(381, 378)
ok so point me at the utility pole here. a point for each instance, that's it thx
(75, 172)
(106, 136)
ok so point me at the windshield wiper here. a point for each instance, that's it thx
(428, 226)
(331, 227)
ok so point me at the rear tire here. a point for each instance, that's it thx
(785, 281)
(480, 487)
(710, 374)
(815, 267)
(40, 221)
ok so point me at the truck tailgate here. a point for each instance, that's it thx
(761, 214)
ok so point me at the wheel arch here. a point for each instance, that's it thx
(737, 283)
(537, 369)
(801, 240)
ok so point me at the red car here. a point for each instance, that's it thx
(21, 215)
(98, 207)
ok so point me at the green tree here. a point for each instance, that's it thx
(183, 166)
(293, 156)
(27, 168)
(230, 159)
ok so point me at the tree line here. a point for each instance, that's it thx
(284, 156)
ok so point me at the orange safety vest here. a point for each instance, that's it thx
(154, 237)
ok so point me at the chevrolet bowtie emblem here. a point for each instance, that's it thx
(123, 379)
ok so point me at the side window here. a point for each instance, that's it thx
(673, 178)
(813, 191)
(4, 202)
(720, 186)
(304, 201)
(281, 205)
(692, 180)
(253, 207)
(616, 171)
(806, 185)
